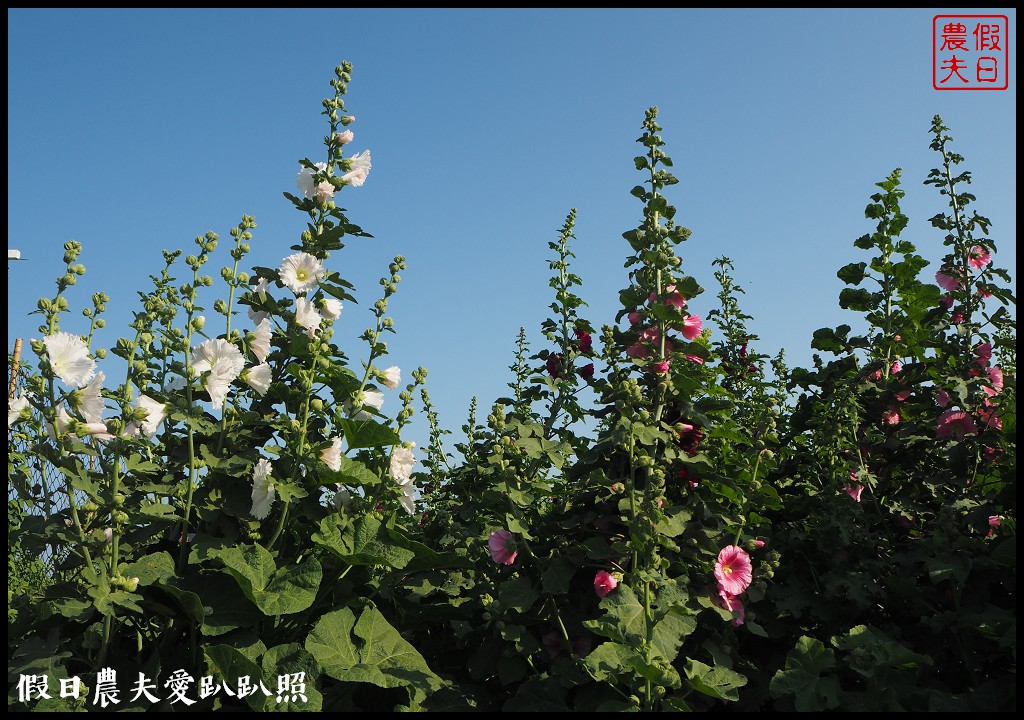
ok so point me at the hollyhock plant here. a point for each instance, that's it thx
(69, 358)
(553, 362)
(955, 424)
(155, 413)
(260, 343)
(258, 378)
(306, 316)
(305, 181)
(585, 342)
(604, 583)
(692, 327)
(90, 399)
(301, 272)
(979, 257)
(733, 569)
(263, 492)
(392, 377)
(359, 169)
(223, 361)
(502, 545)
(331, 455)
(15, 406)
(854, 490)
(331, 308)
(732, 603)
(947, 280)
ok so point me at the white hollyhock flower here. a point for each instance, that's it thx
(91, 403)
(69, 358)
(14, 407)
(64, 423)
(371, 398)
(304, 181)
(301, 272)
(263, 493)
(392, 376)
(402, 462)
(261, 288)
(408, 498)
(100, 431)
(342, 498)
(307, 316)
(359, 165)
(260, 344)
(155, 414)
(332, 455)
(324, 192)
(223, 361)
(344, 138)
(257, 316)
(332, 308)
(259, 378)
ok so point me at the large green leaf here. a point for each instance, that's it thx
(330, 642)
(717, 682)
(386, 659)
(361, 541)
(274, 591)
(805, 677)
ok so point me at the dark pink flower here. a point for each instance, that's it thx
(991, 454)
(586, 342)
(957, 318)
(695, 358)
(955, 424)
(891, 416)
(553, 363)
(733, 604)
(634, 318)
(988, 415)
(637, 350)
(650, 334)
(675, 298)
(995, 520)
(902, 395)
(604, 583)
(897, 338)
(979, 257)
(689, 437)
(995, 376)
(759, 543)
(692, 327)
(587, 372)
(941, 398)
(502, 545)
(983, 353)
(661, 368)
(984, 291)
(896, 367)
(733, 570)
(946, 301)
(876, 375)
(854, 490)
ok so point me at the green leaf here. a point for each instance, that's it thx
(517, 594)
(275, 592)
(623, 620)
(361, 541)
(330, 642)
(717, 682)
(674, 522)
(368, 434)
(387, 660)
(852, 274)
(856, 299)
(155, 568)
(669, 633)
(610, 661)
(804, 677)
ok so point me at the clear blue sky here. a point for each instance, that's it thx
(136, 130)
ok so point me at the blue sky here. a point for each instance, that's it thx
(133, 131)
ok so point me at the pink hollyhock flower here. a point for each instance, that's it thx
(902, 395)
(650, 334)
(947, 279)
(695, 358)
(995, 520)
(586, 342)
(675, 298)
(946, 301)
(957, 318)
(891, 416)
(689, 437)
(604, 583)
(661, 368)
(637, 350)
(502, 545)
(692, 327)
(896, 367)
(942, 398)
(991, 454)
(983, 353)
(956, 424)
(988, 415)
(733, 570)
(995, 376)
(984, 291)
(876, 375)
(634, 318)
(897, 338)
(854, 491)
(587, 372)
(732, 603)
(979, 257)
